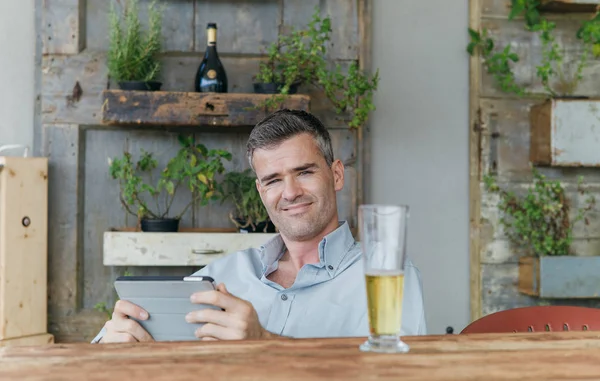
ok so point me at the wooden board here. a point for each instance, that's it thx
(64, 26)
(531, 356)
(34, 340)
(160, 108)
(23, 246)
(562, 6)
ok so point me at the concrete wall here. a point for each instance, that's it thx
(17, 47)
(420, 131)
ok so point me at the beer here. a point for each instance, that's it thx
(385, 291)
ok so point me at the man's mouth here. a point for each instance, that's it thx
(297, 207)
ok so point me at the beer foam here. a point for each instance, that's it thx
(380, 272)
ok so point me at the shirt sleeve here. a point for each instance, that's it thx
(99, 336)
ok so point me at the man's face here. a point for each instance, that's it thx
(298, 187)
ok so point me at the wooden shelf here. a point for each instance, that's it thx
(175, 249)
(565, 133)
(181, 109)
(560, 6)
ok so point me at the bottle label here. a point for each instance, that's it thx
(212, 36)
(212, 74)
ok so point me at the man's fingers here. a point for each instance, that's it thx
(130, 327)
(221, 318)
(226, 301)
(118, 337)
(124, 308)
(218, 332)
(221, 287)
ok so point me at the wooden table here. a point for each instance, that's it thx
(525, 356)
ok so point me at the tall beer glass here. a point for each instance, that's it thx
(383, 241)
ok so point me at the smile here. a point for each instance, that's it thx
(297, 207)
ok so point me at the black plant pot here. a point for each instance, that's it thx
(140, 85)
(273, 88)
(167, 225)
(260, 227)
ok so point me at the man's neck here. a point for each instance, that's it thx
(300, 253)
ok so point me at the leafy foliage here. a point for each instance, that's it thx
(300, 57)
(500, 63)
(240, 187)
(194, 167)
(132, 52)
(539, 222)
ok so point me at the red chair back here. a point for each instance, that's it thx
(536, 319)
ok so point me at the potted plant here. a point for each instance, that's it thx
(132, 54)
(250, 214)
(193, 168)
(299, 57)
(540, 225)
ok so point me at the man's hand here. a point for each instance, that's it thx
(238, 321)
(121, 329)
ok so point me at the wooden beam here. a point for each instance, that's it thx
(64, 29)
(188, 109)
(474, 167)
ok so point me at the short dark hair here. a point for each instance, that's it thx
(284, 124)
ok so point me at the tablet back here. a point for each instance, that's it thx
(167, 300)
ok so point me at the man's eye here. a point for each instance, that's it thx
(271, 182)
(305, 173)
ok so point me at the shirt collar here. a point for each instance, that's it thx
(333, 249)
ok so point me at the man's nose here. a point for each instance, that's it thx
(292, 189)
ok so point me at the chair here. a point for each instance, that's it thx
(537, 318)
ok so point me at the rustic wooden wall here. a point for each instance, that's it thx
(500, 145)
(72, 41)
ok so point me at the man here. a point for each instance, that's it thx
(308, 281)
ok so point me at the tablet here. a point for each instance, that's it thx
(167, 300)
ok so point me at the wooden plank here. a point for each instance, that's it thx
(567, 277)
(177, 22)
(168, 109)
(499, 289)
(540, 118)
(63, 145)
(41, 339)
(64, 26)
(566, 132)
(247, 28)
(529, 49)
(175, 249)
(500, 250)
(363, 143)
(61, 74)
(62, 101)
(23, 246)
(530, 358)
(475, 286)
(529, 276)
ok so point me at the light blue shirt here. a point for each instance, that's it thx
(327, 299)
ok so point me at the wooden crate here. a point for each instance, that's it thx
(23, 247)
(560, 277)
(565, 132)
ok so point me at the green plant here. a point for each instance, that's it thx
(102, 307)
(539, 222)
(300, 57)
(193, 167)
(499, 64)
(132, 52)
(240, 188)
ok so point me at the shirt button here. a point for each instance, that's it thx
(284, 297)
(330, 267)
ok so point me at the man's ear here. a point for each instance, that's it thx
(338, 175)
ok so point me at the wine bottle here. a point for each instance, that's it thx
(211, 76)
